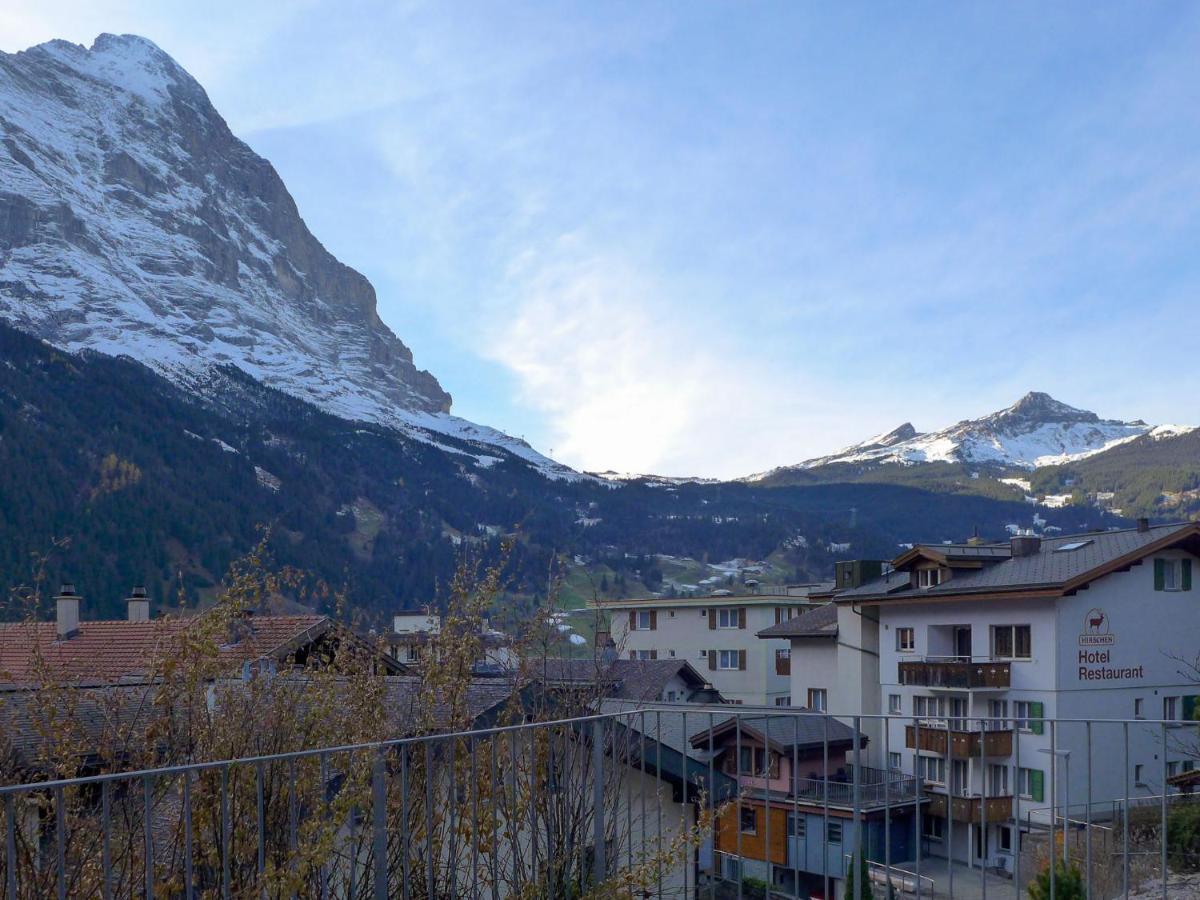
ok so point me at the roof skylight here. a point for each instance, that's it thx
(1074, 545)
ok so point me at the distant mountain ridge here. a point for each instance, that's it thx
(133, 222)
(1035, 431)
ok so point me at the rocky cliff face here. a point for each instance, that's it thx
(133, 222)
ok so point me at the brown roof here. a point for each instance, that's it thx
(109, 651)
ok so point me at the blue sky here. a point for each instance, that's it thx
(712, 238)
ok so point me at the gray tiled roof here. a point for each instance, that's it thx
(799, 728)
(626, 679)
(1050, 567)
(819, 622)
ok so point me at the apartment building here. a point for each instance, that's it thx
(980, 644)
(834, 652)
(718, 635)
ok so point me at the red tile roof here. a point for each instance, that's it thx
(108, 651)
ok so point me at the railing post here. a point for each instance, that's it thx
(379, 825)
(10, 845)
(599, 872)
(1163, 824)
(148, 828)
(857, 804)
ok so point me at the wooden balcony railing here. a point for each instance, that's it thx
(964, 743)
(955, 673)
(967, 809)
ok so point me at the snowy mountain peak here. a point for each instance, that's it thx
(1035, 431)
(134, 223)
(1039, 407)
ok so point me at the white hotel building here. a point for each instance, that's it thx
(978, 642)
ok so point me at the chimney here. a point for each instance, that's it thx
(1143, 524)
(1025, 544)
(67, 612)
(139, 605)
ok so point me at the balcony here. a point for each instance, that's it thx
(956, 672)
(964, 743)
(971, 809)
(876, 788)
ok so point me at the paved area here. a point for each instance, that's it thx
(968, 883)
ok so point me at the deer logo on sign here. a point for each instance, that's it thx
(1095, 629)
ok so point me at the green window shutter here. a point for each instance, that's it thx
(1037, 784)
(1160, 569)
(1186, 581)
(1036, 711)
(1189, 708)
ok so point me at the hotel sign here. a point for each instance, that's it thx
(1094, 654)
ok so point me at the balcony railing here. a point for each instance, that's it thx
(971, 808)
(964, 742)
(556, 809)
(955, 672)
(876, 787)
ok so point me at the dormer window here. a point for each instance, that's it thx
(927, 578)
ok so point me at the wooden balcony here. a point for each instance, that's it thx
(956, 673)
(964, 744)
(968, 809)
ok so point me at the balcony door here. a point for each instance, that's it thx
(962, 642)
(981, 844)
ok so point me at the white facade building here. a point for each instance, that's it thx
(978, 643)
(717, 635)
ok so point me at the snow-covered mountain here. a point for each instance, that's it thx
(133, 222)
(1035, 431)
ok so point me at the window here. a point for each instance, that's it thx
(932, 768)
(643, 620)
(1006, 842)
(906, 640)
(731, 867)
(1138, 772)
(817, 699)
(929, 707)
(1012, 642)
(645, 654)
(958, 712)
(1170, 708)
(833, 833)
(727, 618)
(1073, 545)
(1172, 574)
(796, 825)
(671, 653)
(670, 613)
(928, 578)
(959, 777)
(1031, 784)
(998, 712)
(933, 827)
(727, 659)
(894, 762)
(670, 697)
(1138, 708)
(894, 704)
(1027, 716)
(754, 761)
(749, 820)
(785, 700)
(1172, 769)
(998, 780)
(704, 654)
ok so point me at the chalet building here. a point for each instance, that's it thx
(981, 644)
(795, 826)
(717, 635)
(77, 651)
(412, 634)
(635, 680)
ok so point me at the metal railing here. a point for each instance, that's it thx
(562, 808)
